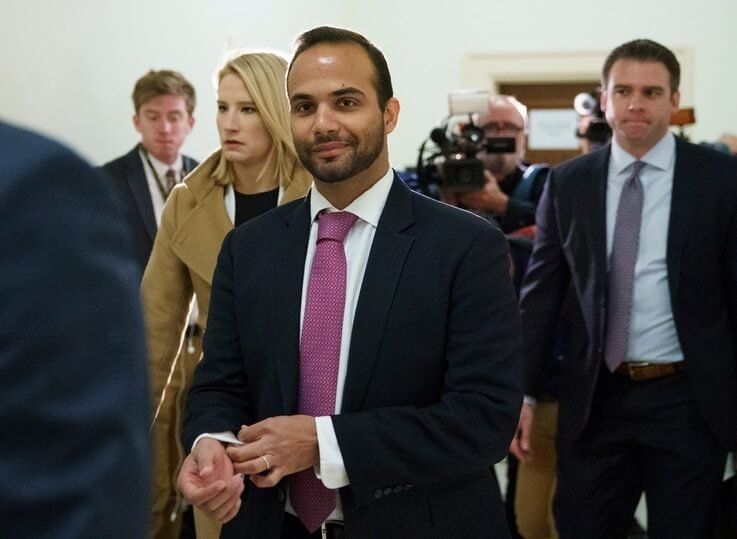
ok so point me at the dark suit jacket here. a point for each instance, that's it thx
(432, 390)
(131, 190)
(570, 247)
(74, 404)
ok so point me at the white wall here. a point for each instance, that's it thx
(68, 68)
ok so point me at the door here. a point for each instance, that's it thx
(547, 98)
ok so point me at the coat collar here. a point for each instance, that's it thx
(201, 231)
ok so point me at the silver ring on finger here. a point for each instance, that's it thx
(268, 464)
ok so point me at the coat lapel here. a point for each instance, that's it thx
(383, 271)
(685, 191)
(290, 247)
(198, 239)
(138, 184)
(583, 226)
(597, 217)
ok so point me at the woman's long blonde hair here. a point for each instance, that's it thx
(264, 74)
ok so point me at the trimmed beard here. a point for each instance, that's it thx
(360, 155)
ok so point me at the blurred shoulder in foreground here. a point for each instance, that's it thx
(73, 384)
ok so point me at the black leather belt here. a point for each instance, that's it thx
(332, 530)
(649, 371)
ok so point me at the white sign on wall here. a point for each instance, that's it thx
(552, 129)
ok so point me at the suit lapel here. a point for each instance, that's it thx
(290, 248)
(685, 191)
(188, 165)
(138, 184)
(583, 227)
(383, 271)
(597, 217)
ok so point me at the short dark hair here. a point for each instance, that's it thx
(163, 82)
(329, 34)
(644, 50)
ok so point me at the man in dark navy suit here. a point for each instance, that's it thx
(142, 179)
(362, 351)
(644, 234)
(74, 404)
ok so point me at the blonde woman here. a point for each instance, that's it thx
(255, 169)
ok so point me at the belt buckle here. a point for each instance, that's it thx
(330, 525)
(636, 372)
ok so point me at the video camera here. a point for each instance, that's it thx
(448, 157)
(598, 131)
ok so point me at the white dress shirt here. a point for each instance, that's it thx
(368, 208)
(156, 199)
(652, 334)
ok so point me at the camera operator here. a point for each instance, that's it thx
(512, 189)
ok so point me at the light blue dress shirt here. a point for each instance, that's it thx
(652, 336)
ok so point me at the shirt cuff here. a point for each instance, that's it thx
(530, 401)
(227, 437)
(330, 468)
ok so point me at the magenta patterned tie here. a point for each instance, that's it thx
(625, 244)
(322, 330)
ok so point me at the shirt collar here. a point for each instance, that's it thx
(368, 206)
(660, 156)
(162, 167)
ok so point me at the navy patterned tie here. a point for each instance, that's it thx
(625, 243)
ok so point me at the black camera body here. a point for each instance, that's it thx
(454, 165)
(598, 131)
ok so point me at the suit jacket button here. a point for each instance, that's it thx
(378, 493)
(281, 495)
(387, 491)
(397, 489)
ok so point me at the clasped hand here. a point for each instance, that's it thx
(211, 477)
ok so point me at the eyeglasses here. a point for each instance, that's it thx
(492, 129)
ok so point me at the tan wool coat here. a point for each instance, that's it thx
(193, 226)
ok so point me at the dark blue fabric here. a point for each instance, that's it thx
(431, 397)
(74, 403)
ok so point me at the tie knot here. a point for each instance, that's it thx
(171, 180)
(334, 226)
(637, 168)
